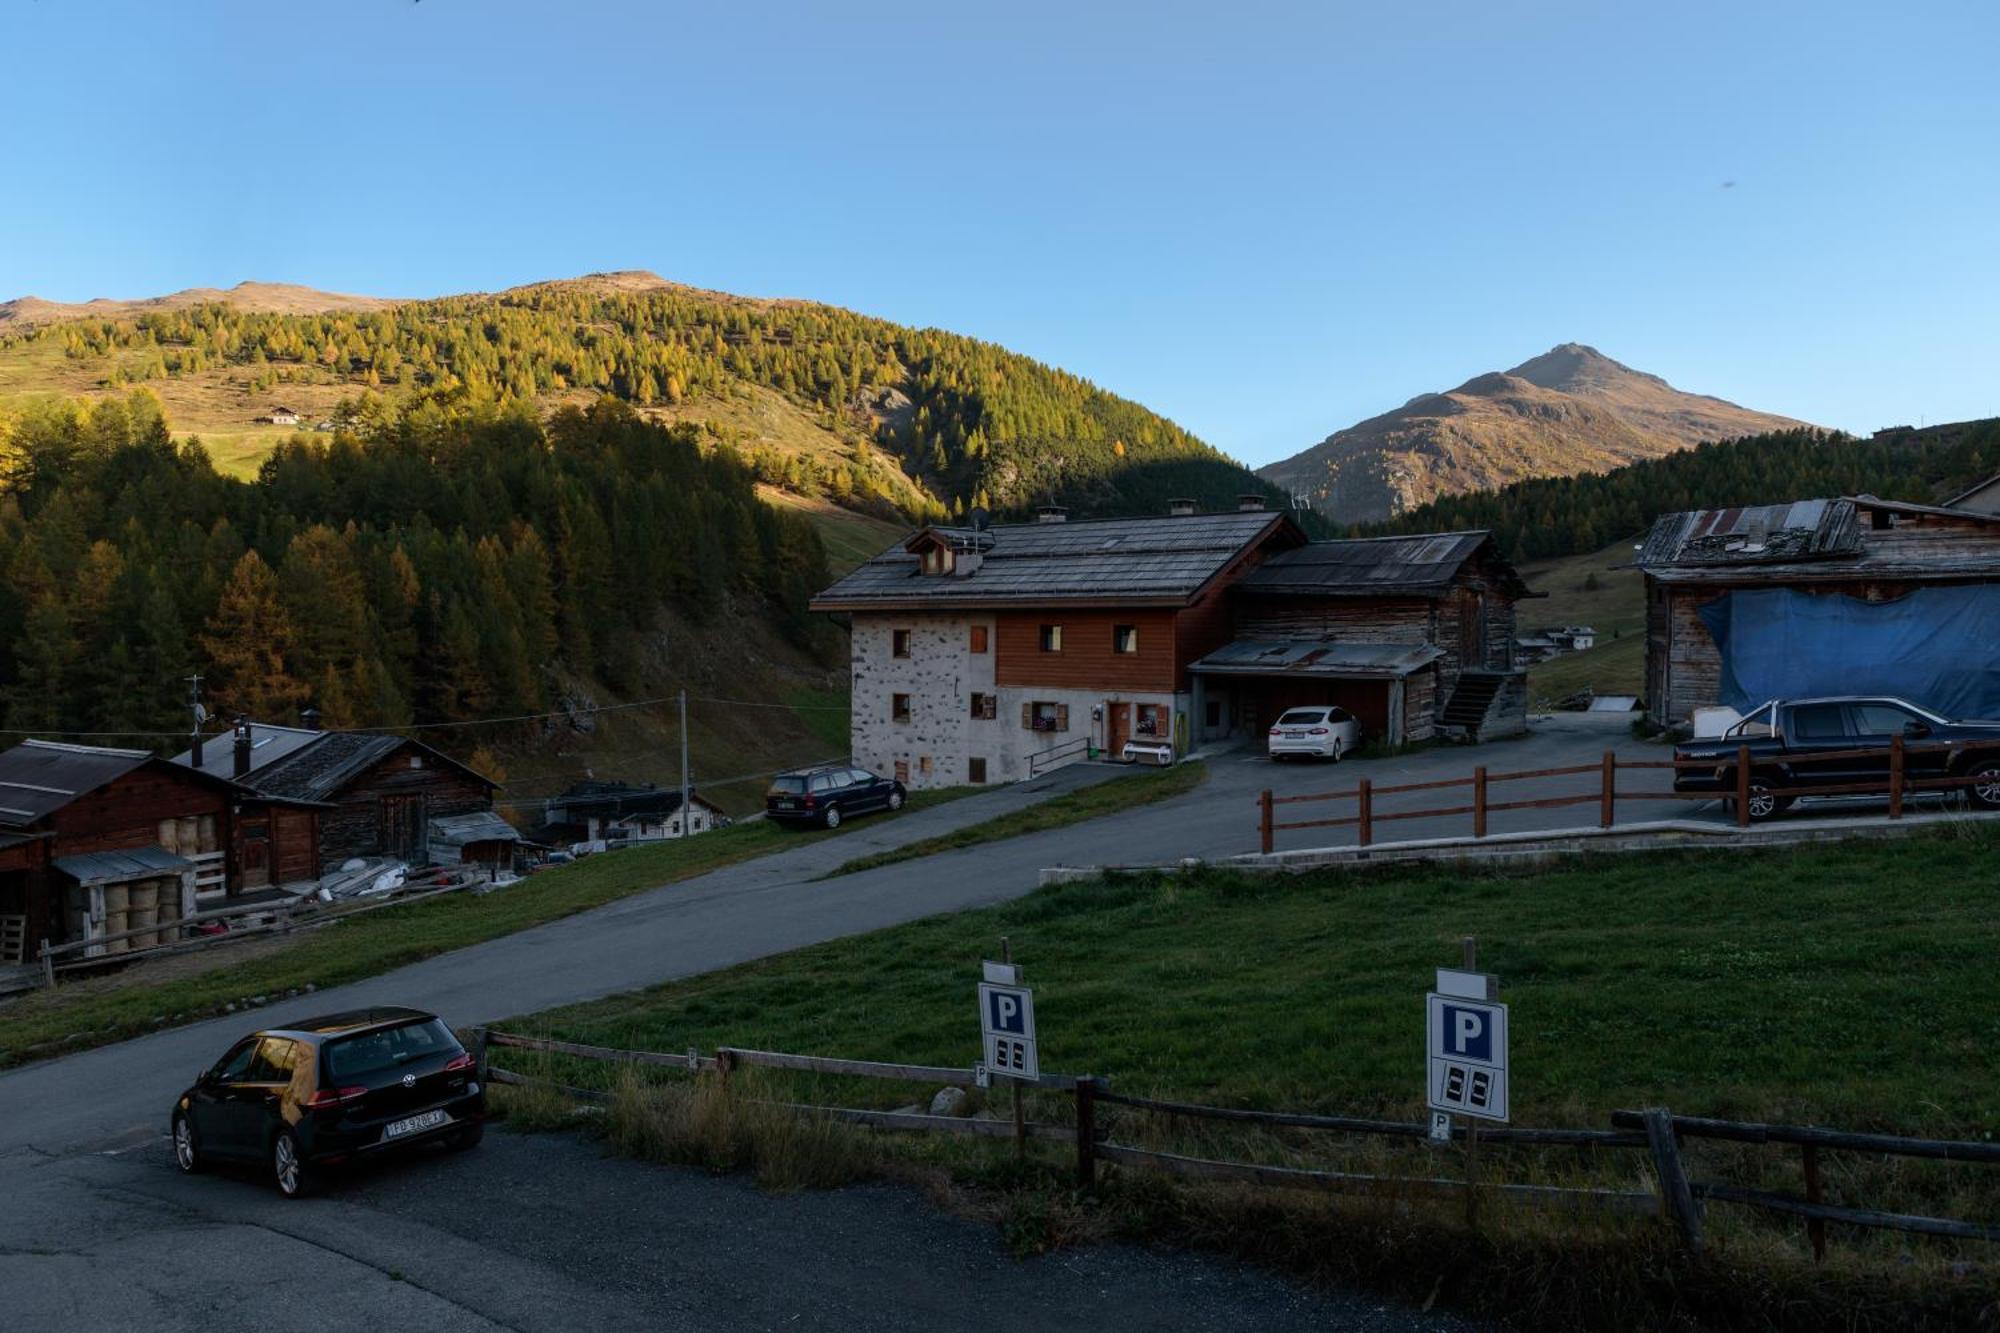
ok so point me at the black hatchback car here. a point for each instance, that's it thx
(330, 1091)
(830, 793)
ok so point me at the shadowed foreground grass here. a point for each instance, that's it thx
(1831, 984)
(43, 1024)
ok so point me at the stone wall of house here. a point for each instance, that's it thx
(935, 746)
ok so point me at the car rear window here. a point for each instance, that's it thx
(1300, 717)
(788, 786)
(385, 1049)
(1339, 715)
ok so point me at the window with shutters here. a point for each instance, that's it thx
(902, 770)
(978, 637)
(924, 765)
(1043, 715)
(984, 706)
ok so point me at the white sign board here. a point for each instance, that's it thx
(1007, 1027)
(1467, 1049)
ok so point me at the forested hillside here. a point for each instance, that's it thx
(1537, 520)
(451, 559)
(971, 423)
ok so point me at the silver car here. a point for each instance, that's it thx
(1322, 733)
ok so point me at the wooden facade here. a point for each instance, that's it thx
(1873, 550)
(1088, 659)
(385, 809)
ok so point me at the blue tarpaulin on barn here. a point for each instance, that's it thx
(1938, 647)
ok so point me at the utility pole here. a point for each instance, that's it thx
(687, 811)
(200, 715)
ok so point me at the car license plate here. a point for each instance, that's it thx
(416, 1124)
(786, 805)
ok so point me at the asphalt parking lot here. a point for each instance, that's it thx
(543, 1231)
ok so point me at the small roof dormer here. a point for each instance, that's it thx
(944, 551)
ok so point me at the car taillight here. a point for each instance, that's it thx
(334, 1097)
(810, 802)
(460, 1061)
(1317, 731)
(1277, 731)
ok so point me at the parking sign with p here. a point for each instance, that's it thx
(1467, 1051)
(1007, 1026)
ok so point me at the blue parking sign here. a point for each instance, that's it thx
(1466, 1049)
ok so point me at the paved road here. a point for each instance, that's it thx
(533, 1232)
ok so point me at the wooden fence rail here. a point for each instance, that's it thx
(1605, 793)
(1655, 1132)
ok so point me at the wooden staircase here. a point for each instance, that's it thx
(1470, 700)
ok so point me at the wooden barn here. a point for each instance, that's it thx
(370, 794)
(96, 840)
(1414, 635)
(1839, 596)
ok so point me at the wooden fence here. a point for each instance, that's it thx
(1655, 1132)
(287, 914)
(1745, 771)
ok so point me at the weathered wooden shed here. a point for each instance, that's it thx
(1878, 596)
(375, 794)
(96, 840)
(1415, 635)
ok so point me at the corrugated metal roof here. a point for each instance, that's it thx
(133, 863)
(1164, 558)
(1816, 540)
(268, 744)
(479, 826)
(1754, 535)
(38, 778)
(1331, 658)
(1421, 563)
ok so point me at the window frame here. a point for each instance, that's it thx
(975, 770)
(976, 640)
(899, 643)
(983, 707)
(901, 707)
(1050, 638)
(1125, 640)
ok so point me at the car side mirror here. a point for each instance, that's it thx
(1916, 729)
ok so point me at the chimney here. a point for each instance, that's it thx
(967, 563)
(242, 747)
(1180, 508)
(309, 719)
(1051, 514)
(1249, 504)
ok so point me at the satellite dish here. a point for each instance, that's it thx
(200, 714)
(979, 518)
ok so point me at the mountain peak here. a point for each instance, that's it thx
(1572, 409)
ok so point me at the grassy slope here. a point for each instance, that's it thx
(1616, 608)
(92, 1015)
(1106, 798)
(1789, 985)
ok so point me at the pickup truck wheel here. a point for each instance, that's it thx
(1763, 805)
(1985, 779)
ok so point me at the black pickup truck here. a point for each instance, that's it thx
(1785, 736)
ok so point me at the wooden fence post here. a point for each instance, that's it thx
(1675, 1195)
(1896, 776)
(1366, 827)
(479, 1054)
(1815, 1227)
(1742, 786)
(1608, 809)
(1086, 1132)
(48, 967)
(1264, 820)
(1479, 801)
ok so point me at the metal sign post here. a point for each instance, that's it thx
(1466, 1058)
(1007, 1034)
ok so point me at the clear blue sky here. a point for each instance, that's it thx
(1265, 221)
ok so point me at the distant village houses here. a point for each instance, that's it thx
(624, 812)
(283, 416)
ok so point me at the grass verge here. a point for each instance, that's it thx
(1104, 798)
(96, 1012)
(1823, 985)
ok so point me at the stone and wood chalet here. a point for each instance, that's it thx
(982, 654)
